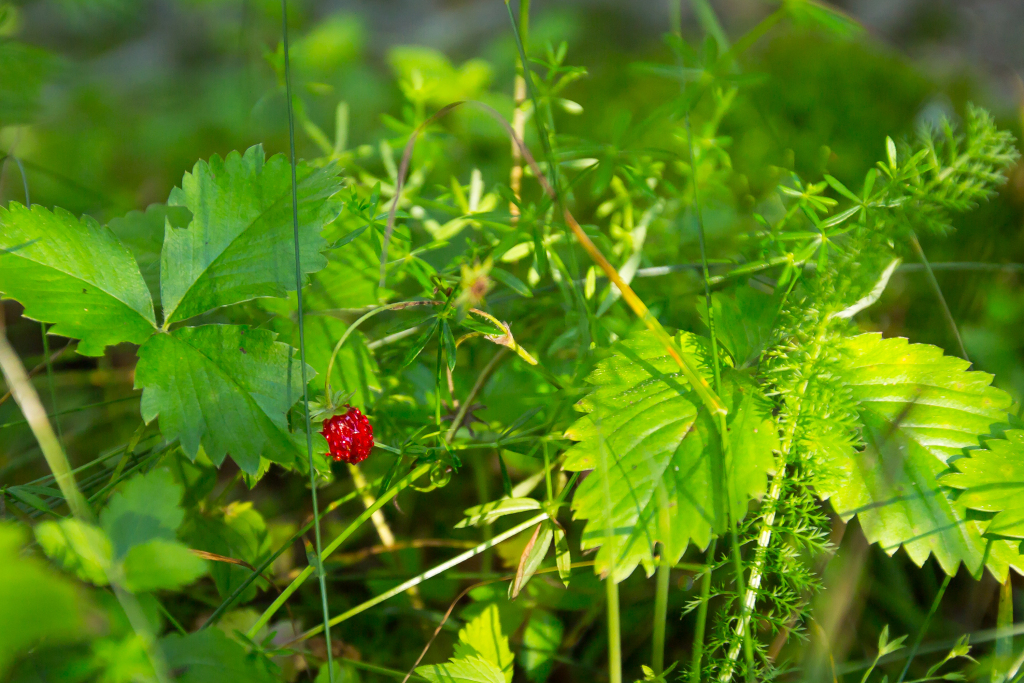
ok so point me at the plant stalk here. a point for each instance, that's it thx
(664, 579)
(702, 615)
(429, 574)
(334, 545)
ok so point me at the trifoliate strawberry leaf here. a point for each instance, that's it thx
(76, 274)
(226, 388)
(918, 408)
(992, 480)
(240, 243)
(654, 448)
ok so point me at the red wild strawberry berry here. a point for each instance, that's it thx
(350, 436)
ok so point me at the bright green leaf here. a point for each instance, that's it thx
(488, 512)
(648, 437)
(467, 670)
(160, 565)
(240, 244)
(78, 547)
(533, 554)
(35, 602)
(919, 408)
(75, 274)
(993, 481)
(483, 637)
(223, 387)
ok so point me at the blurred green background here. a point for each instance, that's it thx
(105, 103)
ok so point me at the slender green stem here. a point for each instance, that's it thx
(280, 551)
(933, 281)
(696, 660)
(335, 544)
(53, 386)
(614, 631)
(721, 481)
(429, 574)
(302, 341)
(924, 627)
(660, 613)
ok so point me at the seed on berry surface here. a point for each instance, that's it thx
(350, 436)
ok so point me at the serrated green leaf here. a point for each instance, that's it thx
(488, 512)
(240, 243)
(160, 565)
(224, 387)
(143, 233)
(75, 274)
(466, 670)
(147, 507)
(541, 639)
(36, 603)
(919, 408)
(77, 547)
(660, 445)
(483, 637)
(992, 480)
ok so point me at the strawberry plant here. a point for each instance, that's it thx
(431, 370)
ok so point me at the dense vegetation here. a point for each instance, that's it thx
(652, 354)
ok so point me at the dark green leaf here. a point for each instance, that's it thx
(223, 387)
(240, 243)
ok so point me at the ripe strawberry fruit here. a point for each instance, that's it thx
(350, 436)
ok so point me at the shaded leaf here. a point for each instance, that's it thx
(239, 532)
(223, 387)
(533, 554)
(541, 640)
(145, 508)
(209, 656)
(143, 233)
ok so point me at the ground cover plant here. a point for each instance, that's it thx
(495, 389)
